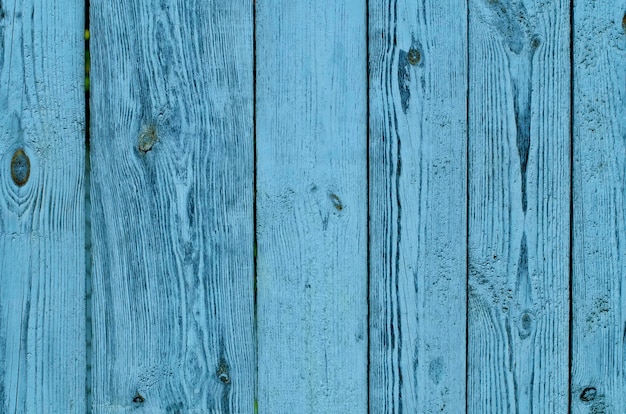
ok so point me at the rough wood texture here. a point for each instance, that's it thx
(172, 197)
(311, 206)
(599, 226)
(519, 185)
(418, 86)
(42, 342)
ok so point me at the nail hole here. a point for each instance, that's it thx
(138, 398)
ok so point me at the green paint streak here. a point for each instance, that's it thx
(87, 61)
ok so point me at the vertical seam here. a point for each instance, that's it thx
(87, 218)
(254, 210)
(467, 204)
(368, 179)
(571, 205)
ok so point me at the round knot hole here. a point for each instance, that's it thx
(138, 398)
(414, 56)
(224, 378)
(525, 324)
(147, 139)
(535, 43)
(334, 198)
(222, 372)
(20, 167)
(588, 394)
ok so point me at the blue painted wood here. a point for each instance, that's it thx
(599, 225)
(173, 309)
(172, 207)
(519, 198)
(311, 124)
(417, 143)
(42, 227)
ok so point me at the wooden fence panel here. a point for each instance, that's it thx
(418, 87)
(599, 225)
(42, 231)
(172, 206)
(519, 198)
(463, 200)
(311, 123)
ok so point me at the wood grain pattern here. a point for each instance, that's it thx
(42, 120)
(519, 182)
(311, 206)
(172, 197)
(599, 225)
(418, 86)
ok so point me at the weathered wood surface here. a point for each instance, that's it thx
(519, 201)
(42, 270)
(171, 319)
(418, 86)
(599, 223)
(311, 123)
(172, 206)
(42, 345)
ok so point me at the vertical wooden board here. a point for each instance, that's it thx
(42, 121)
(311, 206)
(599, 225)
(418, 97)
(519, 193)
(172, 206)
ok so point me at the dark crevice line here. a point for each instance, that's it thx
(398, 204)
(368, 181)
(571, 206)
(255, 326)
(386, 80)
(467, 206)
(87, 212)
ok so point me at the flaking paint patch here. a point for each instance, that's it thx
(523, 285)
(406, 59)
(404, 80)
(435, 370)
(512, 20)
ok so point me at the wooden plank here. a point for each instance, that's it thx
(418, 86)
(311, 82)
(172, 206)
(42, 121)
(599, 225)
(519, 193)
